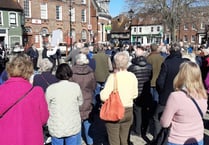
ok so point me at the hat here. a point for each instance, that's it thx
(81, 59)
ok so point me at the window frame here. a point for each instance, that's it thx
(44, 11)
(58, 12)
(15, 19)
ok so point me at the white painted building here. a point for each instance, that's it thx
(147, 34)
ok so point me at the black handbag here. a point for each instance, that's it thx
(162, 137)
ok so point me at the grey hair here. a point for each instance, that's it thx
(81, 59)
(45, 65)
(121, 60)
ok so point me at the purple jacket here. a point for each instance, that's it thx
(22, 125)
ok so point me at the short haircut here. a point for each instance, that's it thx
(64, 72)
(121, 60)
(154, 47)
(20, 66)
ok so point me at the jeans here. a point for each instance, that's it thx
(96, 99)
(86, 127)
(158, 113)
(196, 143)
(155, 94)
(71, 140)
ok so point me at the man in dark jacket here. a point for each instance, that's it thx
(143, 103)
(164, 83)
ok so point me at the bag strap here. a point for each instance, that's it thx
(45, 79)
(193, 100)
(16, 102)
(115, 83)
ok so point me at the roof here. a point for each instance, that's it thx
(120, 24)
(10, 5)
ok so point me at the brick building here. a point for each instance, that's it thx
(76, 19)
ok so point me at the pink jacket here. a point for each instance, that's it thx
(22, 125)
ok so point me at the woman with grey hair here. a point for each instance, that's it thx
(118, 132)
(84, 76)
(45, 78)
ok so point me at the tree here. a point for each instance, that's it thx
(171, 11)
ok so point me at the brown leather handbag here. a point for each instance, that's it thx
(112, 109)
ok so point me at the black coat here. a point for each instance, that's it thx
(143, 72)
(169, 69)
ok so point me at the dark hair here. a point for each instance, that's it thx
(64, 72)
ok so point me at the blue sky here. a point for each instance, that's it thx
(116, 7)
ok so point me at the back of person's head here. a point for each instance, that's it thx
(154, 47)
(121, 60)
(175, 47)
(189, 77)
(45, 65)
(81, 59)
(63, 72)
(20, 65)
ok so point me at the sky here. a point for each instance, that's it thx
(116, 7)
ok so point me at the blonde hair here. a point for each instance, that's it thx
(20, 66)
(189, 77)
(121, 60)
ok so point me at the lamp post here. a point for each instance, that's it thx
(130, 15)
(70, 15)
(102, 31)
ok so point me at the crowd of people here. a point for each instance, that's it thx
(155, 84)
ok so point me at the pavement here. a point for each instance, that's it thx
(100, 136)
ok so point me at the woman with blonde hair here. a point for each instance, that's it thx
(181, 113)
(118, 132)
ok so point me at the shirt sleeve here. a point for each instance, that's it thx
(104, 94)
(169, 111)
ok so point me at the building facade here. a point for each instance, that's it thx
(11, 23)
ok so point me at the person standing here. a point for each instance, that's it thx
(118, 132)
(45, 77)
(143, 103)
(34, 54)
(64, 99)
(22, 124)
(164, 82)
(181, 113)
(155, 59)
(84, 76)
(102, 71)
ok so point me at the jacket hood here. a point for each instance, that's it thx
(81, 69)
(140, 60)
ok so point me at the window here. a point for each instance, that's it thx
(134, 29)
(44, 12)
(193, 38)
(1, 18)
(158, 28)
(202, 26)
(83, 15)
(185, 38)
(27, 8)
(44, 31)
(140, 29)
(83, 1)
(194, 27)
(83, 35)
(58, 12)
(72, 14)
(185, 26)
(152, 29)
(13, 19)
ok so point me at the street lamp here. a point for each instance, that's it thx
(130, 15)
(70, 15)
